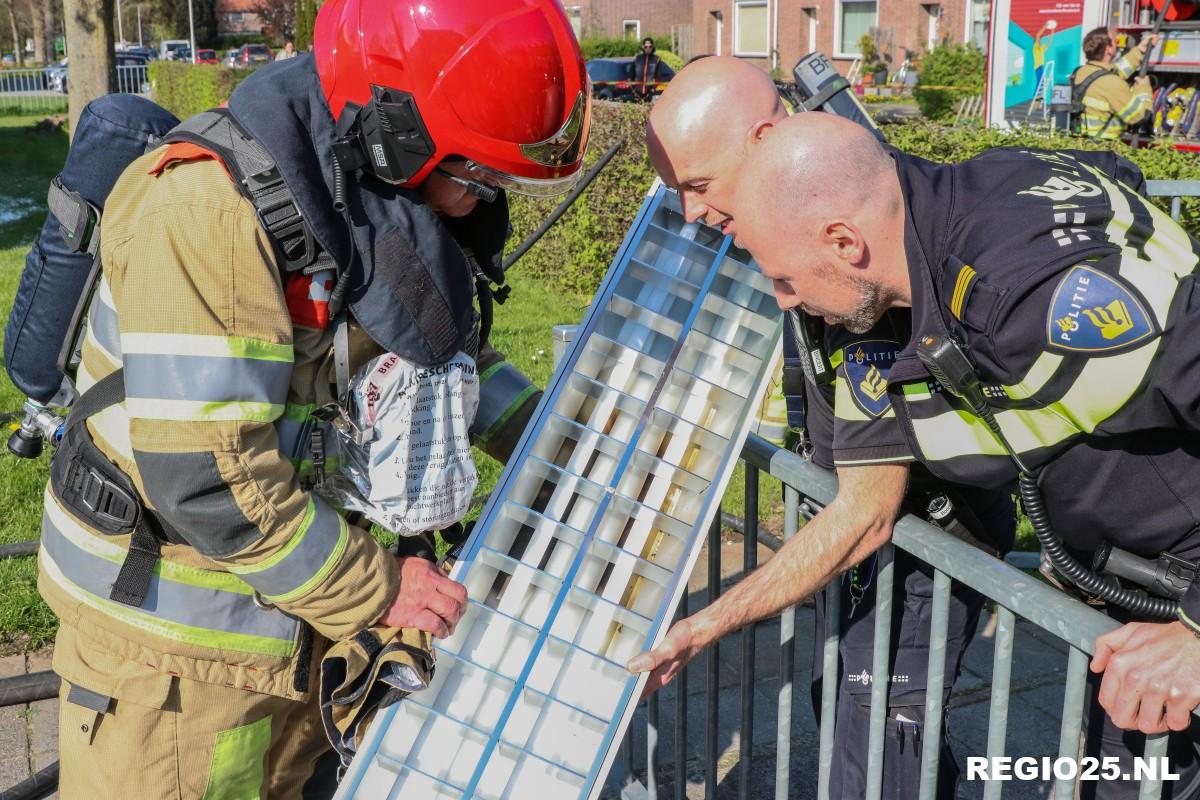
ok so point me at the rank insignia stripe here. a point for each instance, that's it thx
(866, 365)
(1091, 312)
(962, 287)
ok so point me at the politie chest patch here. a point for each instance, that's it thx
(866, 366)
(1092, 312)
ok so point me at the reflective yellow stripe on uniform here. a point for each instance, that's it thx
(194, 378)
(194, 606)
(1134, 109)
(305, 560)
(1104, 385)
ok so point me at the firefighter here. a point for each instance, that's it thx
(1110, 102)
(1055, 302)
(189, 650)
(700, 132)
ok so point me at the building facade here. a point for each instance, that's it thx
(238, 17)
(776, 33)
(631, 19)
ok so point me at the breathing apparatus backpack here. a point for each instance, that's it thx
(1077, 108)
(44, 334)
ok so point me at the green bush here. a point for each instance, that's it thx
(187, 89)
(577, 251)
(955, 65)
(603, 47)
(945, 143)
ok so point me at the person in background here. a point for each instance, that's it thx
(288, 51)
(1111, 102)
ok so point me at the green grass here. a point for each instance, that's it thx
(29, 160)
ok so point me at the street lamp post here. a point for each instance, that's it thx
(192, 29)
(139, 10)
(120, 25)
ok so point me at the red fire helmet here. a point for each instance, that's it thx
(499, 83)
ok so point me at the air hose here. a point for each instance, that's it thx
(949, 365)
(1138, 602)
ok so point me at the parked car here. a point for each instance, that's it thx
(252, 55)
(148, 53)
(56, 76)
(206, 56)
(170, 49)
(616, 78)
(612, 78)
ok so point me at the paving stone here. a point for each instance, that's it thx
(14, 754)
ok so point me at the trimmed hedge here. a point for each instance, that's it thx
(957, 65)
(577, 251)
(187, 89)
(602, 47)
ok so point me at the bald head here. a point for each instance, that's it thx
(701, 128)
(831, 185)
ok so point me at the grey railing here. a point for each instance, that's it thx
(44, 90)
(1015, 594)
(1176, 190)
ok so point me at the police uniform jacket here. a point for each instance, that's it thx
(1074, 299)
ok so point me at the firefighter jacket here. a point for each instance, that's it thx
(224, 361)
(1110, 103)
(1077, 319)
(219, 380)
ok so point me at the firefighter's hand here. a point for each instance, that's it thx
(665, 661)
(1151, 676)
(1147, 42)
(426, 600)
(1141, 81)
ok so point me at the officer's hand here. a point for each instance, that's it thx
(426, 600)
(1151, 676)
(665, 661)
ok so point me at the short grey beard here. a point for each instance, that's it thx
(867, 310)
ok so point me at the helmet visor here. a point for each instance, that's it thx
(533, 187)
(566, 146)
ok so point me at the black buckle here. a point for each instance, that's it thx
(107, 501)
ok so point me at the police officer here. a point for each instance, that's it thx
(1110, 103)
(699, 134)
(1056, 305)
(221, 333)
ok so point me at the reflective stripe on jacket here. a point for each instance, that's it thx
(192, 309)
(1110, 104)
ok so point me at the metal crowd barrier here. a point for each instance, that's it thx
(1015, 594)
(43, 90)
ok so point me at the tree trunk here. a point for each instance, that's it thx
(18, 45)
(39, 11)
(90, 42)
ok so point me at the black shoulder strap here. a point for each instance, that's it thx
(257, 179)
(1081, 89)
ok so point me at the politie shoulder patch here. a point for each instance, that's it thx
(866, 366)
(1092, 312)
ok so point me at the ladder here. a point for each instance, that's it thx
(853, 75)
(1042, 92)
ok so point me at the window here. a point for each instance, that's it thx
(575, 15)
(809, 29)
(854, 19)
(978, 12)
(632, 29)
(750, 33)
(235, 17)
(933, 13)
